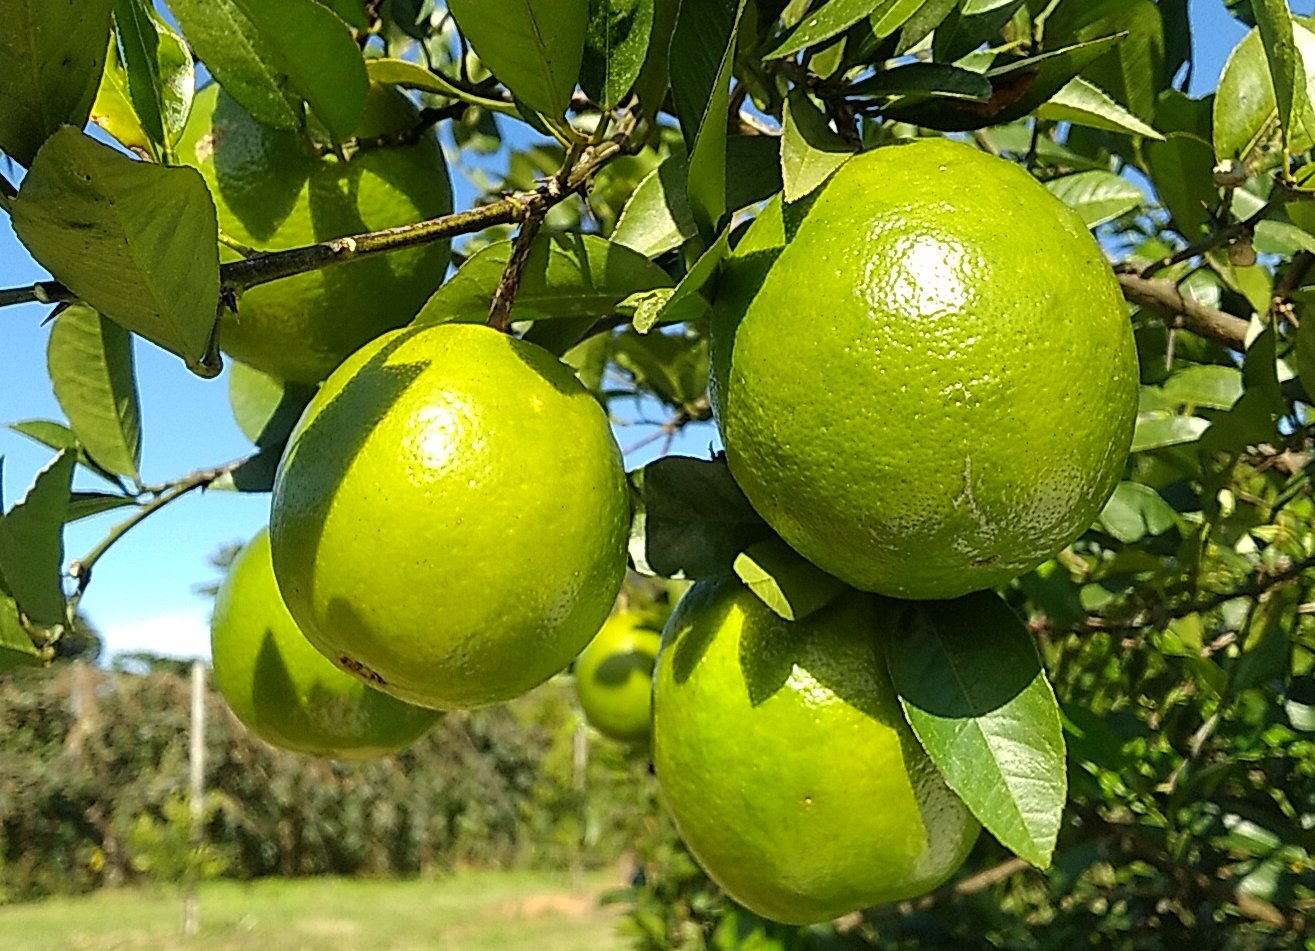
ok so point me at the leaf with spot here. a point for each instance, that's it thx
(136, 241)
(53, 52)
(973, 690)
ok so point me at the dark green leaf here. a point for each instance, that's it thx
(1097, 196)
(673, 365)
(136, 241)
(1254, 418)
(32, 543)
(52, 56)
(702, 56)
(91, 368)
(265, 407)
(255, 474)
(1274, 21)
(756, 160)
(86, 504)
(918, 27)
(1084, 103)
(566, 275)
(784, 581)
(655, 78)
(969, 25)
(158, 69)
(691, 519)
(971, 684)
(1135, 511)
(1181, 166)
(16, 648)
(925, 80)
(1133, 72)
(615, 48)
(535, 47)
(810, 150)
(828, 20)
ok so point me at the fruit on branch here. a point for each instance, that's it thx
(273, 191)
(284, 690)
(450, 518)
(924, 374)
(786, 762)
(614, 676)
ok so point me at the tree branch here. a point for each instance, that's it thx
(509, 284)
(1213, 240)
(1164, 295)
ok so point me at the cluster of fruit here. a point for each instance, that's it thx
(925, 381)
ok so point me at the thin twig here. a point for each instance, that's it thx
(1213, 240)
(509, 284)
(1202, 319)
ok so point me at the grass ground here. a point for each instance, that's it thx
(471, 911)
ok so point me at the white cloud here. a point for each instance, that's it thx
(183, 634)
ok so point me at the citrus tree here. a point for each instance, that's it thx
(1001, 329)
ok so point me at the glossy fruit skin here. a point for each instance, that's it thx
(614, 677)
(786, 763)
(273, 192)
(930, 387)
(284, 690)
(450, 516)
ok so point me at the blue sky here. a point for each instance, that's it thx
(142, 596)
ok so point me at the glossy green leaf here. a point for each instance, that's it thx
(1084, 103)
(690, 519)
(161, 77)
(1246, 109)
(1135, 511)
(535, 47)
(265, 407)
(1207, 386)
(567, 275)
(829, 19)
(49, 433)
(1287, 76)
(702, 57)
(52, 55)
(811, 152)
(138, 242)
(32, 543)
(615, 48)
(969, 25)
(784, 581)
(271, 56)
(1097, 196)
(91, 368)
(657, 217)
(16, 648)
(972, 687)
(1158, 429)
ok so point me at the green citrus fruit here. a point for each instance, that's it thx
(929, 386)
(272, 191)
(614, 676)
(283, 689)
(450, 516)
(786, 763)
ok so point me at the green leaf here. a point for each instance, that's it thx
(535, 47)
(32, 543)
(756, 160)
(1287, 76)
(1097, 196)
(265, 407)
(702, 57)
(16, 648)
(138, 242)
(684, 302)
(690, 519)
(615, 48)
(1182, 166)
(1254, 418)
(565, 275)
(113, 109)
(1135, 511)
(925, 80)
(929, 15)
(784, 581)
(49, 433)
(159, 73)
(53, 54)
(1085, 103)
(271, 56)
(400, 72)
(969, 25)
(1158, 429)
(810, 150)
(86, 504)
(1246, 109)
(655, 78)
(255, 474)
(971, 685)
(831, 19)
(91, 367)
(673, 365)
(657, 217)
(1207, 386)
(1133, 73)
